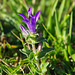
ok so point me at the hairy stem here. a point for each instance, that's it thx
(34, 50)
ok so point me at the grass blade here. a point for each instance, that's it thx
(42, 6)
(61, 10)
(58, 32)
(49, 33)
(70, 30)
(51, 13)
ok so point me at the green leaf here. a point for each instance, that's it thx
(6, 69)
(31, 56)
(1, 27)
(45, 51)
(16, 69)
(73, 56)
(0, 51)
(34, 68)
(71, 52)
(44, 67)
(26, 60)
(25, 51)
(43, 59)
(0, 71)
(1, 31)
(42, 39)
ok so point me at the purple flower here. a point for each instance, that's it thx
(31, 21)
(24, 31)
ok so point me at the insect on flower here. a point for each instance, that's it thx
(31, 21)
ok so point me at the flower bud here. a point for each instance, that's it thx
(39, 47)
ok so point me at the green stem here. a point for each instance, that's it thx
(34, 50)
(38, 65)
(37, 60)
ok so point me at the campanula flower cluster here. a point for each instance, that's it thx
(30, 22)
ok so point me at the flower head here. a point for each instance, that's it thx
(31, 21)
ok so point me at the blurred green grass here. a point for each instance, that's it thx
(56, 23)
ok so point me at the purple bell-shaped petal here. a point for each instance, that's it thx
(37, 15)
(24, 30)
(30, 12)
